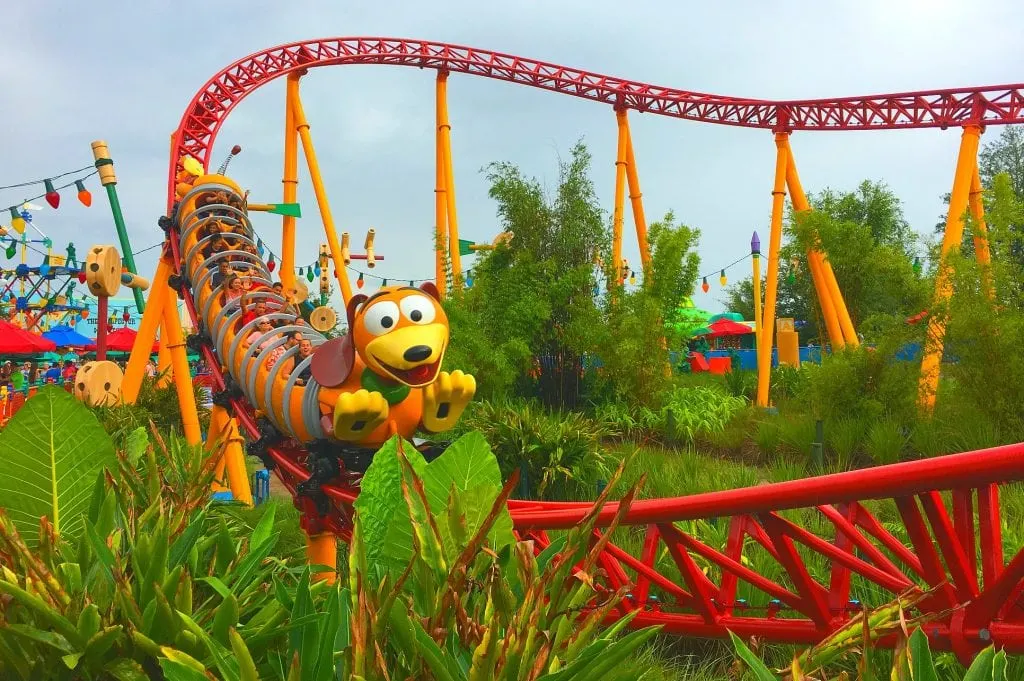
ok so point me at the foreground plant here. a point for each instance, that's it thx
(155, 573)
(912, 660)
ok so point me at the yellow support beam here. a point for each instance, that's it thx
(764, 346)
(621, 161)
(636, 201)
(152, 319)
(966, 167)
(833, 306)
(980, 236)
(445, 132)
(182, 376)
(302, 125)
(290, 182)
(440, 193)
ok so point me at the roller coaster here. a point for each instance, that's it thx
(796, 559)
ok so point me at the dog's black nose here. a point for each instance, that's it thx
(417, 353)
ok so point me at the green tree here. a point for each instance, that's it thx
(533, 297)
(871, 249)
(634, 340)
(1005, 154)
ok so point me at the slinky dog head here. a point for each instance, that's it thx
(399, 332)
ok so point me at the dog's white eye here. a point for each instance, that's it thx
(381, 317)
(419, 309)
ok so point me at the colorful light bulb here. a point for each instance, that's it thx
(722, 280)
(83, 194)
(359, 281)
(704, 286)
(52, 197)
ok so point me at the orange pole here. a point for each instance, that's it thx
(621, 161)
(164, 371)
(218, 419)
(764, 342)
(290, 181)
(837, 317)
(302, 125)
(981, 250)
(966, 166)
(828, 310)
(152, 319)
(635, 200)
(445, 130)
(322, 549)
(182, 376)
(440, 194)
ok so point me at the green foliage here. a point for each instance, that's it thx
(534, 295)
(53, 450)
(157, 404)
(466, 475)
(864, 383)
(885, 441)
(912, 660)
(692, 412)
(156, 574)
(560, 453)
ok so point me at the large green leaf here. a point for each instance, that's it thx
(468, 466)
(380, 498)
(52, 451)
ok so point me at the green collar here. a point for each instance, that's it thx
(393, 391)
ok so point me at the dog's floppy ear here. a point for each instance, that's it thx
(333, 361)
(350, 310)
(430, 289)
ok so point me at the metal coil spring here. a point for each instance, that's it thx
(218, 324)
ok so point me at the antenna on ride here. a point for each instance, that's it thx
(235, 151)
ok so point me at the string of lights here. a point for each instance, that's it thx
(46, 179)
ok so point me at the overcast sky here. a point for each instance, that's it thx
(124, 70)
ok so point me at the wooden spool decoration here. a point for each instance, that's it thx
(103, 271)
(297, 292)
(323, 319)
(98, 383)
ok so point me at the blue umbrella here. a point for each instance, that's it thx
(66, 337)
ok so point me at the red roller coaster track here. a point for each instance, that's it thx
(791, 561)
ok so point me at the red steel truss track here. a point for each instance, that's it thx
(787, 562)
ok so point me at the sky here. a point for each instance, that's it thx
(124, 71)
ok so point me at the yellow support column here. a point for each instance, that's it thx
(152, 318)
(764, 349)
(322, 549)
(445, 130)
(290, 180)
(302, 125)
(981, 250)
(828, 311)
(838, 323)
(966, 166)
(163, 365)
(213, 445)
(182, 376)
(621, 161)
(636, 200)
(440, 194)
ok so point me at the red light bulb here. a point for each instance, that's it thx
(704, 287)
(81, 277)
(52, 197)
(359, 281)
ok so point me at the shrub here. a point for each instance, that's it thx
(561, 454)
(843, 435)
(156, 404)
(691, 412)
(768, 435)
(885, 442)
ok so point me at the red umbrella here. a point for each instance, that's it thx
(123, 340)
(727, 327)
(18, 341)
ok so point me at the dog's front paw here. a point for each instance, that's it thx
(445, 399)
(358, 414)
